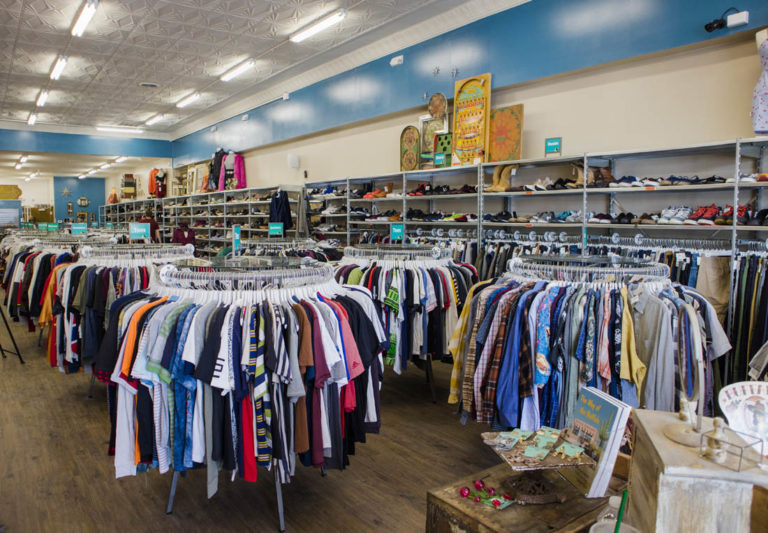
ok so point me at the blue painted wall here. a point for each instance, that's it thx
(91, 188)
(70, 143)
(540, 38)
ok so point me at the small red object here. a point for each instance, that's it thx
(496, 503)
(479, 484)
(491, 491)
(464, 492)
(477, 499)
(507, 497)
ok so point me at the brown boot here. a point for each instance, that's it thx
(505, 184)
(496, 179)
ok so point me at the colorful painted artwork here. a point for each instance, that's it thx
(471, 119)
(442, 156)
(438, 105)
(505, 141)
(409, 148)
(429, 128)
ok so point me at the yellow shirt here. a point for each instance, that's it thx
(632, 368)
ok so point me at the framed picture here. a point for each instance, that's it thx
(431, 126)
(409, 148)
(506, 135)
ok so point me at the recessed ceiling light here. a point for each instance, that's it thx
(23, 159)
(58, 68)
(154, 120)
(184, 102)
(85, 17)
(318, 26)
(235, 72)
(42, 98)
(149, 85)
(119, 129)
(18, 166)
(32, 119)
(121, 159)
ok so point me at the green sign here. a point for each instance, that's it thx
(236, 238)
(94, 224)
(42, 226)
(79, 228)
(138, 231)
(53, 227)
(553, 146)
(108, 225)
(276, 229)
(396, 232)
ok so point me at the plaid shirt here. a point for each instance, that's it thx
(525, 376)
(467, 386)
(488, 388)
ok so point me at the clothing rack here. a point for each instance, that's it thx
(228, 280)
(395, 252)
(640, 241)
(141, 251)
(585, 268)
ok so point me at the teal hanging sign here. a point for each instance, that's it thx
(236, 232)
(396, 232)
(79, 228)
(138, 231)
(276, 229)
(53, 227)
(553, 146)
(42, 226)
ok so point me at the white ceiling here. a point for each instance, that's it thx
(51, 164)
(184, 46)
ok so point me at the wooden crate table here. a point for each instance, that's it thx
(673, 488)
(448, 512)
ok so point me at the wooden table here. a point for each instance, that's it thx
(448, 512)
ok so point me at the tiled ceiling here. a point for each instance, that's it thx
(50, 164)
(182, 45)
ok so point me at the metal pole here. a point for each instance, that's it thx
(280, 510)
(172, 495)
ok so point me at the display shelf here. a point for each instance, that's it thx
(440, 223)
(421, 175)
(537, 162)
(429, 197)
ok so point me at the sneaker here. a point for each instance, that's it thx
(725, 216)
(667, 214)
(649, 218)
(694, 217)
(561, 217)
(651, 182)
(681, 215)
(747, 178)
(709, 216)
(332, 210)
(544, 184)
(575, 217)
(744, 214)
(626, 181)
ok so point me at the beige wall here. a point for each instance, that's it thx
(34, 192)
(686, 97)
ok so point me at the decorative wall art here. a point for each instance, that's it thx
(505, 141)
(409, 148)
(471, 120)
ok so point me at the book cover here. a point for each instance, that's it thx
(597, 424)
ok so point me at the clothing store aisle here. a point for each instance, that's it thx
(55, 474)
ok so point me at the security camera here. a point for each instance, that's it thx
(716, 24)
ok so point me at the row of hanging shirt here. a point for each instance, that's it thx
(524, 347)
(418, 301)
(234, 378)
(75, 296)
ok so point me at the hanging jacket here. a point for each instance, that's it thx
(152, 187)
(239, 172)
(280, 209)
(213, 176)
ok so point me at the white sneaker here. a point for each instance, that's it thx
(573, 218)
(332, 210)
(667, 214)
(542, 184)
(682, 214)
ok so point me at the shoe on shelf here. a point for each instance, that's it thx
(743, 215)
(694, 217)
(575, 217)
(648, 218)
(651, 182)
(561, 217)
(626, 181)
(763, 177)
(758, 219)
(544, 184)
(681, 215)
(419, 191)
(625, 218)
(725, 216)
(747, 178)
(709, 216)
(667, 214)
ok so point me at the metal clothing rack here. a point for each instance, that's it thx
(180, 276)
(590, 269)
(403, 252)
(138, 251)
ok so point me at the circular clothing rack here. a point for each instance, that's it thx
(577, 268)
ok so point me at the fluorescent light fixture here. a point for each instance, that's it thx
(92, 171)
(318, 26)
(105, 166)
(58, 68)
(35, 174)
(23, 159)
(32, 119)
(18, 166)
(121, 159)
(184, 102)
(154, 120)
(27, 179)
(235, 72)
(85, 17)
(81, 177)
(119, 129)
(42, 98)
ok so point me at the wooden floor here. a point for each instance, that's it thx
(55, 474)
